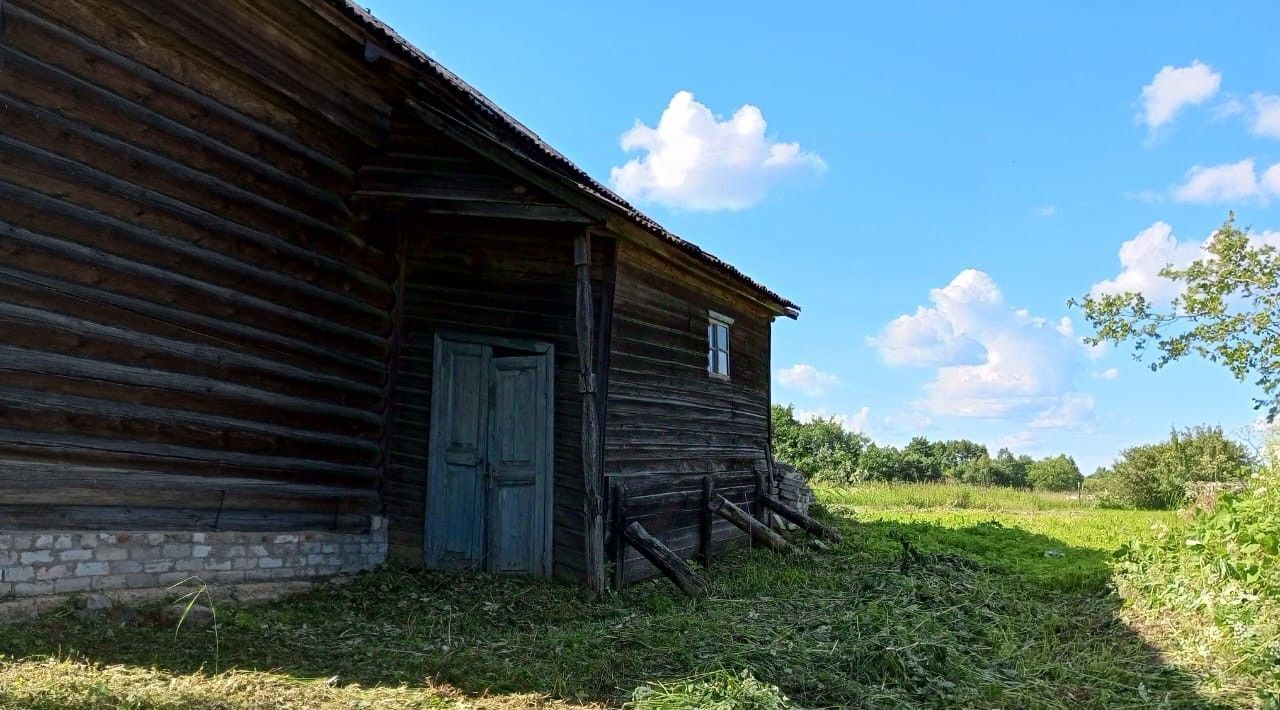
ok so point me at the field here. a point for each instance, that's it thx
(939, 597)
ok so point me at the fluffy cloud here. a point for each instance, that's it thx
(1147, 254)
(694, 160)
(1110, 373)
(851, 422)
(1229, 182)
(1143, 257)
(807, 378)
(1266, 115)
(1174, 88)
(992, 360)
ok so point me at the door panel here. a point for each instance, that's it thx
(518, 453)
(456, 472)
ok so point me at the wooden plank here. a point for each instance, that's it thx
(593, 505)
(759, 531)
(676, 569)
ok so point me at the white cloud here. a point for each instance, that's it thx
(1173, 88)
(1017, 442)
(1045, 211)
(1270, 181)
(1147, 254)
(851, 422)
(1266, 115)
(1142, 259)
(1228, 182)
(1110, 373)
(993, 361)
(1074, 410)
(695, 160)
(808, 379)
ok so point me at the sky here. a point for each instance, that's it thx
(930, 182)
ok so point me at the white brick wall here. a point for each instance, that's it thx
(37, 563)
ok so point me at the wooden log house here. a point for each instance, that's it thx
(267, 269)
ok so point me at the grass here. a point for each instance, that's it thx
(941, 606)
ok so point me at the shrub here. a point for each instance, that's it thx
(1057, 473)
(1155, 476)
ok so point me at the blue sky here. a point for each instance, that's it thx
(934, 182)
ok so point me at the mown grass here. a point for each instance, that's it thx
(980, 617)
(948, 495)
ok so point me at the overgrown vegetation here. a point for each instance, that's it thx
(1156, 475)
(919, 607)
(1209, 589)
(823, 451)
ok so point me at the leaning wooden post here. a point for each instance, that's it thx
(758, 531)
(618, 495)
(676, 569)
(593, 504)
(807, 523)
(705, 520)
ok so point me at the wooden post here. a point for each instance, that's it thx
(806, 523)
(704, 522)
(758, 531)
(593, 505)
(619, 497)
(664, 559)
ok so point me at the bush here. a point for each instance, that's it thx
(1155, 476)
(1057, 473)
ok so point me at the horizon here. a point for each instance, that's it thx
(930, 184)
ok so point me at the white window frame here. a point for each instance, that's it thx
(714, 347)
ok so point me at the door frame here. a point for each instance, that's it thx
(532, 347)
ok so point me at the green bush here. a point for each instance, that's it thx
(1155, 476)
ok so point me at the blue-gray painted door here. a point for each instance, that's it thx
(517, 465)
(488, 478)
(456, 472)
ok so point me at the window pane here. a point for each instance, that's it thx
(722, 362)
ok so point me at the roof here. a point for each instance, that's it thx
(549, 157)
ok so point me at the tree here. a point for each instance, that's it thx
(1156, 475)
(1228, 312)
(1007, 470)
(820, 448)
(1054, 473)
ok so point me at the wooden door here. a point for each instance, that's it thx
(489, 477)
(456, 469)
(518, 455)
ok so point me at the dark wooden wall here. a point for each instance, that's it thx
(669, 424)
(511, 279)
(194, 330)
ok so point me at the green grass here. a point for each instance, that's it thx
(947, 495)
(976, 616)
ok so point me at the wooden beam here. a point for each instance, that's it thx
(618, 495)
(758, 531)
(593, 505)
(431, 203)
(806, 523)
(676, 569)
(705, 521)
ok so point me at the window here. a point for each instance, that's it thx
(718, 345)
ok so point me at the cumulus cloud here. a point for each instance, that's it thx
(1110, 373)
(1071, 411)
(694, 160)
(1017, 442)
(1229, 182)
(1174, 88)
(1266, 115)
(807, 378)
(851, 422)
(1045, 211)
(1147, 254)
(992, 360)
(1144, 257)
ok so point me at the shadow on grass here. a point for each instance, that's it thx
(981, 619)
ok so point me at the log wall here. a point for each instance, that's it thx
(669, 423)
(194, 329)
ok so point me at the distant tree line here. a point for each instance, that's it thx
(1151, 476)
(823, 450)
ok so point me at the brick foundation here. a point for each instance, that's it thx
(39, 563)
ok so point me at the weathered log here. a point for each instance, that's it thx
(705, 520)
(806, 523)
(759, 531)
(676, 569)
(593, 504)
(619, 499)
